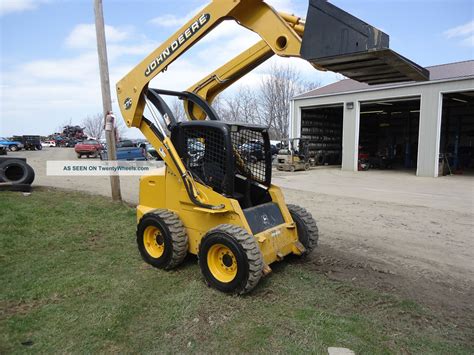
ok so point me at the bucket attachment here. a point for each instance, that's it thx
(337, 41)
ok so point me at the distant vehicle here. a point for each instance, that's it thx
(126, 144)
(195, 151)
(48, 144)
(89, 148)
(252, 151)
(29, 142)
(10, 144)
(293, 155)
(151, 151)
(3, 149)
(274, 149)
(71, 143)
(127, 150)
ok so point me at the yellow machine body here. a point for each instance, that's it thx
(174, 196)
(162, 189)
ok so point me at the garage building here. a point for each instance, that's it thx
(427, 127)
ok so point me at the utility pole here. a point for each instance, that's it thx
(106, 98)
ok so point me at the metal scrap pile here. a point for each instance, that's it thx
(69, 136)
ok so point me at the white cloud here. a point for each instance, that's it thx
(170, 20)
(84, 36)
(459, 31)
(10, 6)
(68, 87)
(465, 33)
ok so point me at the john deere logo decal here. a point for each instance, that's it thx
(178, 42)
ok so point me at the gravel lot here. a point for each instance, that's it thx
(384, 229)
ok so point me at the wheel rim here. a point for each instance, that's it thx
(222, 263)
(153, 241)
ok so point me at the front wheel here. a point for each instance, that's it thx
(13, 148)
(308, 233)
(162, 239)
(230, 259)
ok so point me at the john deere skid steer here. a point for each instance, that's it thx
(212, 198)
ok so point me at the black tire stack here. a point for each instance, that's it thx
(15, 175)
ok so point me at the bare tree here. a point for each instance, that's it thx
(120, 129)
(243, 106)
(94, 125)
(219, 105)
(177, 108)
(276, 90)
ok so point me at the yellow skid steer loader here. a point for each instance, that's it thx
(212, 198)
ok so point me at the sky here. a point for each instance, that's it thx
(49, 67)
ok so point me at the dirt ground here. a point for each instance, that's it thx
(380, 229)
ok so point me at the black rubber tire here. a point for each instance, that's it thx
(39, 147)
(308, 233)
(31, 173)
(79, 156)
(174, 237)
(247, 254)
(16, 171)
(13, 148)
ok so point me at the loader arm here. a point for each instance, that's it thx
(216, 82)
(255, 15)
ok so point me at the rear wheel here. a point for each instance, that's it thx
(162, 239)
(79, 156)
(13, 148)
(230, 259)
(308, 233)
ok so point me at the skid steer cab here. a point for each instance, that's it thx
(242, 224)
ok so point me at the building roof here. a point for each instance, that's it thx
(437, 72)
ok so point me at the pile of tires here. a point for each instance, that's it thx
(15, 175)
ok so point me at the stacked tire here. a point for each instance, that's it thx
(16, 175)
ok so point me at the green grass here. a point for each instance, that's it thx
(72, 281)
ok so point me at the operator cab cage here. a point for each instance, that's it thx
(224, 155)
(232, 158)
